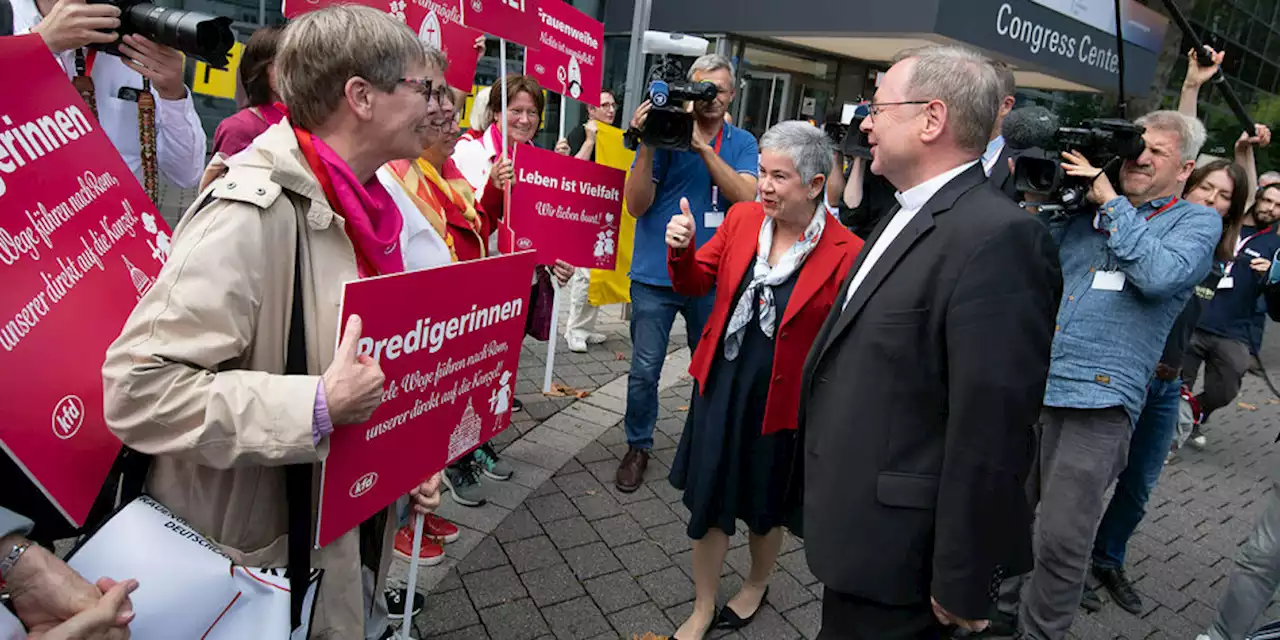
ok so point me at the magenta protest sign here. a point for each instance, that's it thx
(565, 208)
(450, 361)
(570, 56)
(514, 20)
(80, 243)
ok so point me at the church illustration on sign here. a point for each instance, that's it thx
(466, 436)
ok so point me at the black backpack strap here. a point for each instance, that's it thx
(298, 477)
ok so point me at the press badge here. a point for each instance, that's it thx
(1108, 280)
(712, 219)
(1227, 283)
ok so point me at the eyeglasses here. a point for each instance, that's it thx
(428, 91)
(874, 109)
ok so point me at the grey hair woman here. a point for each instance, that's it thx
(776, 266)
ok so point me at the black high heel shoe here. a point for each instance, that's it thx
(729, 620)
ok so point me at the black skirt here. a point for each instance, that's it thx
(726, 467)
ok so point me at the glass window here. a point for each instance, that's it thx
(1258, 32)
(1267, 77)
(1249, 67)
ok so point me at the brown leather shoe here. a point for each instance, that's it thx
(631, 471)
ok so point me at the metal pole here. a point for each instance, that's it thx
(635, 59)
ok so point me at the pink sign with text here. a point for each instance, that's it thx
(514, 20)
(570, 57)
(79, 245)
(437, 23)
(450, 351)
(565, 208)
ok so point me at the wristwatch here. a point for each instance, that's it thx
(7, 564)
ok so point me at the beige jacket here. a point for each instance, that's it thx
(195, 377)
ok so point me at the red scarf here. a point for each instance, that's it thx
(373, 221)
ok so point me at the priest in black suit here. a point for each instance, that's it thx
(921, 390)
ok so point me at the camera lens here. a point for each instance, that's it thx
(196, 34)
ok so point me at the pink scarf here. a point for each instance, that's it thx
(373, 220)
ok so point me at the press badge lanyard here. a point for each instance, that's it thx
(715, 190)
(1240, 243)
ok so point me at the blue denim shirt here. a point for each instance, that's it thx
(1107, 343)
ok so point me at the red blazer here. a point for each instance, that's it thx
(723, 262)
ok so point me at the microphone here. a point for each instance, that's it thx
(1029, 127)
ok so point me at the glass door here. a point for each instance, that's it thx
(763, 101)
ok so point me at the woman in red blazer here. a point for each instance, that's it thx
(776, 266)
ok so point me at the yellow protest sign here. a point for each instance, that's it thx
(614, 287)
(219, 83)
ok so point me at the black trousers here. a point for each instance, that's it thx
(849, 617)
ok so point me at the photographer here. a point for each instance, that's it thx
(719, 170)
(69, 27)
(1129, 264)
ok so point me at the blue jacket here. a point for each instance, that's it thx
(1239, 313)
(1107, 343)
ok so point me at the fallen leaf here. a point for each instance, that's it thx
(1246, 405)
(648, 636)
(1272, 401)
(683, 408)
(618, 355)
(563, 391)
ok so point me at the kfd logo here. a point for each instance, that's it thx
(524, 243)
(68, 415)
(363, 484)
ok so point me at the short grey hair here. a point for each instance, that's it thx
(965, 81)
(321, 50)
(713, 62)
(1190, 131)
(807, 146)
(1269, 177)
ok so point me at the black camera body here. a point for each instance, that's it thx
(199, 35)
(669, 124)
(1106, 143)
(849, 138)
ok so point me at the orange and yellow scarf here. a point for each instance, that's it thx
(434, 192)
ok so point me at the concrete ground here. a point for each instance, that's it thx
(560, 553)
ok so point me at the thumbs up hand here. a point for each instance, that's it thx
(680, 229)
(352, 383)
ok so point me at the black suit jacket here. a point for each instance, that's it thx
(1001, 177)
(918, 403)
(6, 18)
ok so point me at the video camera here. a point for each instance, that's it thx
(847, 134)
(1036, 132)
(669, 124)
(199, 35)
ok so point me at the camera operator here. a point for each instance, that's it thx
(69, 27)
(997, 159)
(6, 18)
(1129, 265)
(718, 171)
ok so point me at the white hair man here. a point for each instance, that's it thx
(918, 391)
(718, 170)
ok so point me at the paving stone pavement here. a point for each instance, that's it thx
(561, 553)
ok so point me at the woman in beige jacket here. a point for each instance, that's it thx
(196, 377)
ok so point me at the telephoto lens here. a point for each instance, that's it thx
(199, 35)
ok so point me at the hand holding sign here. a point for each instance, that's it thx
(501, 173)
(353, 382)
(680, 229)
(426, 496)
(109, 618)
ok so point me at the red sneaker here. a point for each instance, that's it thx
(438, 527)
(429, 553)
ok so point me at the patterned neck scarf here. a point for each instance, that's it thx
(765, 277)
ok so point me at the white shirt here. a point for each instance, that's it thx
(180, 138)
(910, 202)
(421, 246)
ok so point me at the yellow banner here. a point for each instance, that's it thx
(220, 83)
(613, 287)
